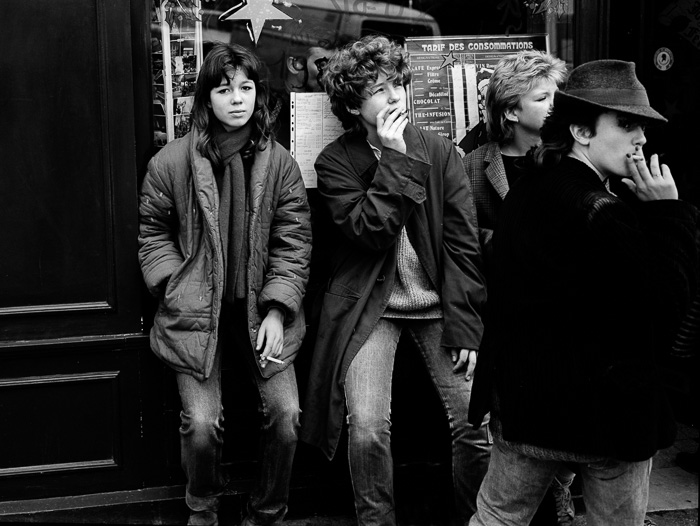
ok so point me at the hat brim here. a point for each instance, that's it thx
(641, 111)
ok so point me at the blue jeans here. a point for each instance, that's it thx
(615, 493)
(202, 431)
(368, 397)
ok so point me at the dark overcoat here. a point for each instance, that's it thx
(588, 290)
(368, 203)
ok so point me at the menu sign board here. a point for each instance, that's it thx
(313, 126)
(450, 74)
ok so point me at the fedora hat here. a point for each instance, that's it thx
(610, 84)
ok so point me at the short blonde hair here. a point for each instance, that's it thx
(513, 77)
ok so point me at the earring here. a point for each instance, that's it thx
(355, 112)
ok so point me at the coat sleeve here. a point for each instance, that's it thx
(159, 253)
(651, 251)
(463, 286)
(370, 217)
(289, 253)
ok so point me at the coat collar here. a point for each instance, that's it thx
(204, 175)
(495, 169)
(577, 169)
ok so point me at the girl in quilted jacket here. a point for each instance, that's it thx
(225, 243)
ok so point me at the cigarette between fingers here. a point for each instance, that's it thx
(270, 358)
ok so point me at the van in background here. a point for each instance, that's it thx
(315, 23)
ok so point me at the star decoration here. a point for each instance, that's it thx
(448, 60)
(257, 12)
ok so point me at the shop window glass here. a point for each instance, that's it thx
(294, 37)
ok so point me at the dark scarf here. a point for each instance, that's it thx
(232, 180)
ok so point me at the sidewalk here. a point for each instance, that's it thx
(673, 493)
(423, 499)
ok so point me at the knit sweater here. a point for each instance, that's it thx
(413, 296)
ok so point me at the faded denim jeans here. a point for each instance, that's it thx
(615, 493)
(202, 431)
(368, 397)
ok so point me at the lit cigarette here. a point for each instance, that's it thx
(270, 358)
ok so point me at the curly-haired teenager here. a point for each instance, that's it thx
(405, 258)
(225, 242)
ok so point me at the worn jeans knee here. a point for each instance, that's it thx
(201, 430)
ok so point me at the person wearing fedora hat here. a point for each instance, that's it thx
(588, 289)
(519, 96)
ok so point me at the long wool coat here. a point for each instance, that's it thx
(181, 249)
(368, 203)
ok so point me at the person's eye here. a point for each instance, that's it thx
(398, 83)
(630, 124)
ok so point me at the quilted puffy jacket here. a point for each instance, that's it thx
(180, 252)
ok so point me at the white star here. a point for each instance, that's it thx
(257, 12)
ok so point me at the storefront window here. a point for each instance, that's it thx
(295, 39)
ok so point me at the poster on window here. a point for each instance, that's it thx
(313, 126)
(449, 76)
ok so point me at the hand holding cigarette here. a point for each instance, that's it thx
(391, 122)
(271, 359)
(270, 341)
(649, 183)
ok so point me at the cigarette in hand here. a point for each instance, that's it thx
(270, 358)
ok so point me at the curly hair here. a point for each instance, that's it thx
(513, 76)
(222, 61)
(353, 68)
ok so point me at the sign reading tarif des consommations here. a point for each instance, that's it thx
(450, 75)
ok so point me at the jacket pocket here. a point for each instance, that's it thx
(190, 289)
(338, 303)
(342, 291)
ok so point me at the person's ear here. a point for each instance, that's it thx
(295, 65)
(581, 134)
(354, 111)
(511, 116)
